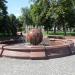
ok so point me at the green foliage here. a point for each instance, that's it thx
(56, 14)
(26, 18)
(8, 24)
(3, 16)
(14, 24)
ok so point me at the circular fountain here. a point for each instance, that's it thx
(38, 47)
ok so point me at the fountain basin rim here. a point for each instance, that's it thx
(39, 51)
(36, 48)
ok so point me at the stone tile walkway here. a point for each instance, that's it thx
(58, 66)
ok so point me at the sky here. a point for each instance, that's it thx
(14, 6)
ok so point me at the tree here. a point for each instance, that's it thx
(26, 18)
(13, 23)
(60, 11)
(55, 14)
(3, 17)
(19, 24)
(67, 14)
(38, 13)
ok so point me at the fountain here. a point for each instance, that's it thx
(37, 47)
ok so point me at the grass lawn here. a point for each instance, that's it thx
(59, 33)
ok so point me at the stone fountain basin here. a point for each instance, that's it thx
(55, 48)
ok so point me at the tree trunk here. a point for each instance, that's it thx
(70, 30)
(64, 29)
(47, 31)
(54, 28)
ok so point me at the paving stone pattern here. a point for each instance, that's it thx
(58, 66)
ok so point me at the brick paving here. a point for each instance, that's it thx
(57, 66)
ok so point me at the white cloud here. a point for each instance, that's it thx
(17, 14)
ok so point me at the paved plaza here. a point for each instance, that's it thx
(56, 66)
